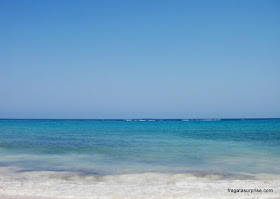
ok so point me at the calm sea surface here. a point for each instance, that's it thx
(89, 147)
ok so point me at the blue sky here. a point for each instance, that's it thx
(133, 59)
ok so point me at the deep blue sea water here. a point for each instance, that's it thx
(89, 147)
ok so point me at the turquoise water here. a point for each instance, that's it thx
(89, 147)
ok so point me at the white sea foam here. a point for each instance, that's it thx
(146, 185)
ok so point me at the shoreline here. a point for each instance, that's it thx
(53, 185)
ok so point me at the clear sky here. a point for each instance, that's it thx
(135, 59)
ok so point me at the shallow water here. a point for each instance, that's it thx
(88, 147)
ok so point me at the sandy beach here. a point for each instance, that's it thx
(198, 190)
(22, 197)
(49, 185)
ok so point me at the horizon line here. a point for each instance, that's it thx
(136, 119)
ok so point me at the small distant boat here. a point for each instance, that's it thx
(210, 120)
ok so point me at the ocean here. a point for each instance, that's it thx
(87, 153)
